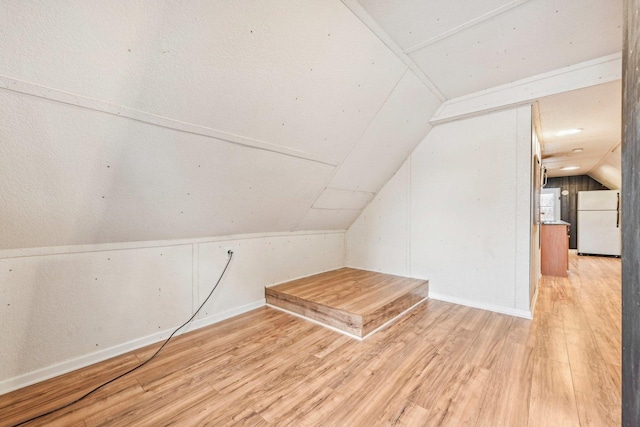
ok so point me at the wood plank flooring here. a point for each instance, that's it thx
(441, 364)
(351, 300)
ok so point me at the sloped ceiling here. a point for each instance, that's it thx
(150, 120)
(596, 112)
(129, 121)
(466, 46)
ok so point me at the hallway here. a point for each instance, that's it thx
(577, 330)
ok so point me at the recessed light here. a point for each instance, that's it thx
(578, 150)
(569, 132)
(570, 168)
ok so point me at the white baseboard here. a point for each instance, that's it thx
(350, 335)
(481, 305)
(534, 300)
(210, 320)
(308, 319)
(61, 368)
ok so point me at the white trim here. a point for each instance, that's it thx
(589, 73)
(32, 89)
(350, 335)
(103, 247)
(387, 323)
(195, 277)
(308, 319)
(534, 300)
(61, 368)
(481, 305)
(523, 208)
(352, 191)
(360, 12)
(334, 209)
(468, 24)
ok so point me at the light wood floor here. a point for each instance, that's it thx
(441, 364)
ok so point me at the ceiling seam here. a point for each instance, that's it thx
(356, 8)
(335, 170)
(351, 191)
(604, 157)
(55, 95)
(336, 209)
(475, 21)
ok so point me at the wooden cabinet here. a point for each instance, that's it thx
(554, 249)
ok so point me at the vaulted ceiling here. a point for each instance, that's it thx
(151, 120)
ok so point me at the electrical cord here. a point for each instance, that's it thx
(230, 253)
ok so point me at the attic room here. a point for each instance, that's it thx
(318, 213)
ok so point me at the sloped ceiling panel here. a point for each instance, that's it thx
(307, 76)
(74, 176)
(329, 219)
(302, 74)
(608, 175)
(535, 37)
(401, 123)
(413, 22)
(332, 198)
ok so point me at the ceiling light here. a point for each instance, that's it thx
(569, 132)
(578, 150)
(570, 168)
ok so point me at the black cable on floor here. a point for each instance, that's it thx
(230, 253)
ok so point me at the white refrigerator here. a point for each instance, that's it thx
(599, 228)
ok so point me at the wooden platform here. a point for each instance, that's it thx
(356, 302)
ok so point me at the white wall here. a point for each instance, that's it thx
(468, 199)
(172, 120)
(68, 307)
(379, 239)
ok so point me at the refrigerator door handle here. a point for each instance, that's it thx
(618, 212)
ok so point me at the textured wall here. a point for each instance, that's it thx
(379, 239)
(67, 307)
(464, 210)
(161, 120)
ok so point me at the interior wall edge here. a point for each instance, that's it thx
(524, 153)
(55, 95)
(408, 217)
